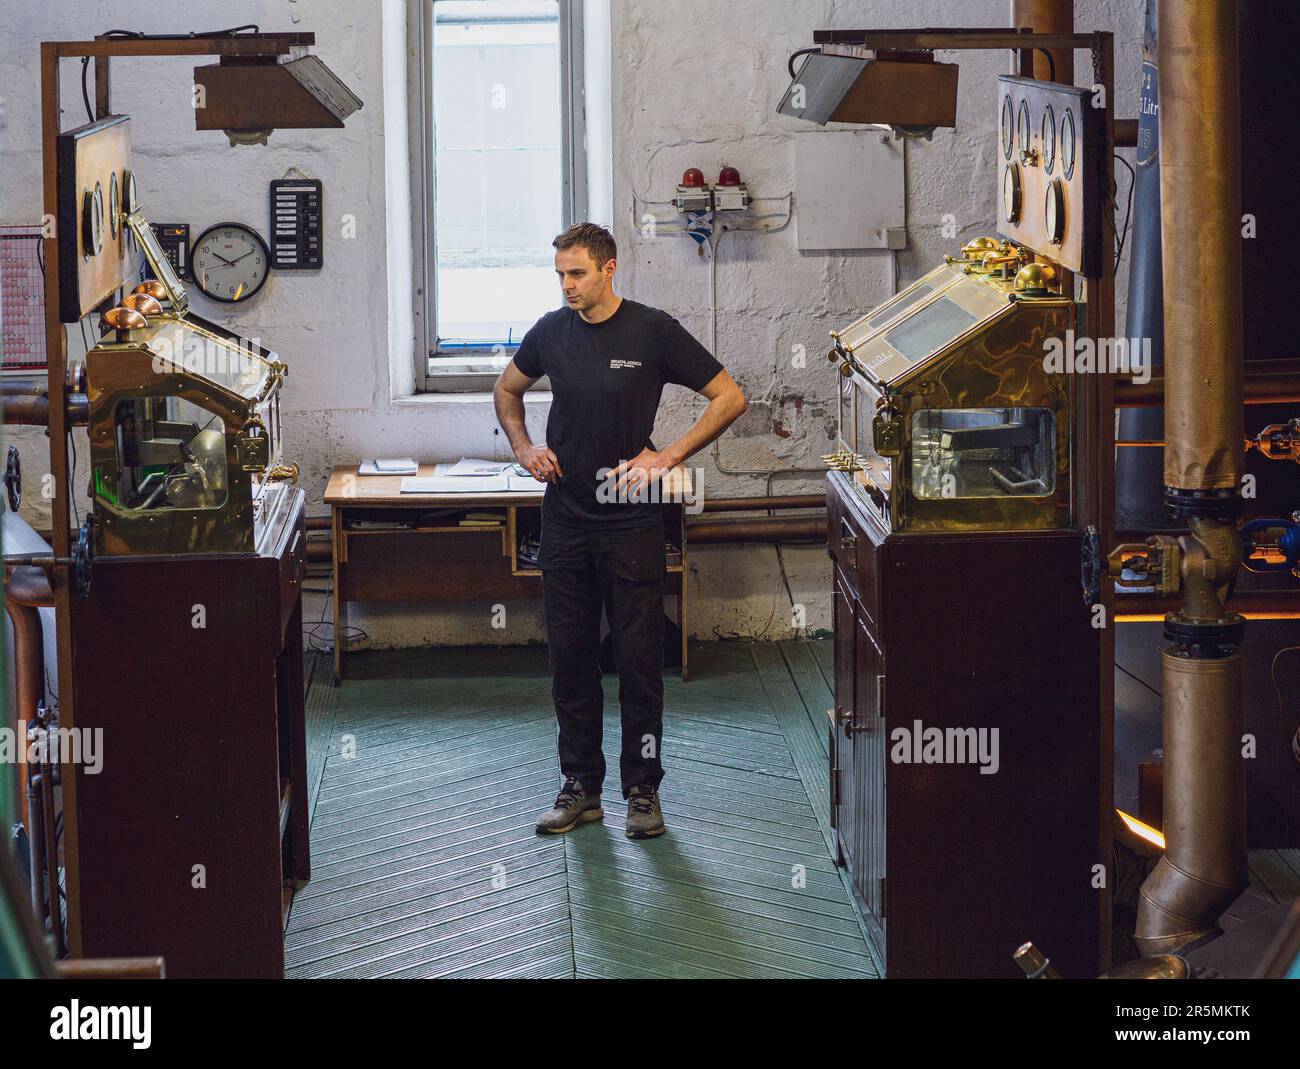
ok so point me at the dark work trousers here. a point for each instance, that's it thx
(584, 570)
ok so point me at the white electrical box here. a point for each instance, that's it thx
(849, 191)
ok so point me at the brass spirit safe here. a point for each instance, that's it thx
(951, 416)
(184, 423)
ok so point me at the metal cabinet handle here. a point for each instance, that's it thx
(848, 541)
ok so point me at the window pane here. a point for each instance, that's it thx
(498, 167)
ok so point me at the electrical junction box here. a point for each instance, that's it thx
(849, 191)
(693, 199)
(730, 198)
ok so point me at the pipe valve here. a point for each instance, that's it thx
(1266, 538)
(1279, 441)
(1157, 562)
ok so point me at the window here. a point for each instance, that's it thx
(505, 172)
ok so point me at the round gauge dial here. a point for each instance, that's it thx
(1067, 145)
(1008, 127)
(1054, 211)
(130, 193)
(1011, 193)
(1022, 126)
(92, 221)
(114, 206)
(230, 262)
(1049, 140)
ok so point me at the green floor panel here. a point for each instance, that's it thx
(817, 695)
(321, 710)
(425, 862)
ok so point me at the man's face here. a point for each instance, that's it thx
(583, 283)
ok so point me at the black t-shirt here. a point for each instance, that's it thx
(606, 380)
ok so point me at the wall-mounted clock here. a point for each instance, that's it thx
(230, 262)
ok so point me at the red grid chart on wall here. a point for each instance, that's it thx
(22, 298)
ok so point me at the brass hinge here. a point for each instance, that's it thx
(882, 898)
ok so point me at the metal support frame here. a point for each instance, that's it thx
(102, 50)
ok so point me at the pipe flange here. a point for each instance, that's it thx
(1203, 504)
(1201, 639)
(84, 556)
(1091, 567)
(14, 479)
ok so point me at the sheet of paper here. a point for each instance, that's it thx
(454, 484)
(399, 466)
(469, 467)
(524, 484)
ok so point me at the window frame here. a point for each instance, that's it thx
(470, 369)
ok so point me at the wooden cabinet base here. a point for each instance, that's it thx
(966, 745)
(193, 831)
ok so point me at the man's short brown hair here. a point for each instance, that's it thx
(593, 237)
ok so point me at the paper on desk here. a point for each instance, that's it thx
(468, 467)
(455, 484)
(506, 482)
(524, 484)
(401, 466)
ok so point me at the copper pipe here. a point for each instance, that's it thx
(1200, 195)
(1204, 865)
(768, 529)
(1254, 604)
(1265, 382)
(762, 504)
(110, 969)
(33, 410)
(26, 590)
(1048, 16)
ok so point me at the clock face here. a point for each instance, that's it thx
(230, 262)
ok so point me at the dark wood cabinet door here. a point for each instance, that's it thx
(870, 754)
(842, 754)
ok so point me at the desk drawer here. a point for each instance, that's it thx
(458, 565)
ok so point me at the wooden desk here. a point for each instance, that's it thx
(443, 561)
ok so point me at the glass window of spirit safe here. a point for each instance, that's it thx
(949, 419)
(184, 423)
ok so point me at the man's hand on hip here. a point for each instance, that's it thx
(635, 476)
(540, 462)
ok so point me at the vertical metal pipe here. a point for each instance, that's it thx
(1200, 188)
(1048, 16)
(1204, 865)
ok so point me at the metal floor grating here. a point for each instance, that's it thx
(425, 863)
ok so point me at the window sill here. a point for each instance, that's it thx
(475, 398)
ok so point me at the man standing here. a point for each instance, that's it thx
(602, 545)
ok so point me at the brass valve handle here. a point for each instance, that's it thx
(1156, 562)
(283, 473)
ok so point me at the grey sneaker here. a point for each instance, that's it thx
(573, 806)
(645, 819)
